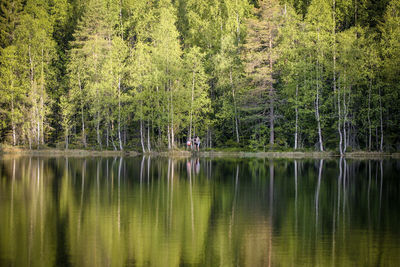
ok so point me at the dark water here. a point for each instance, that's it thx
(204, 212)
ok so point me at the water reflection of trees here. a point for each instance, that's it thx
(167, 212)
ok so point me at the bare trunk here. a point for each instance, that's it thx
(13, 121)
(141, 135)
(191, 108)
(339, 124)
(381, 121)
(344, 122)
(107, 133)
(119, 114)
(172, 119)
(169, 137)
(112, 136)
(234, 106)
(148, 136)
(66, 139)
(271, 98)
(42, 96)
(172, 136)
(82, 116)
(98, 130)
(321, 146)
(297, 119)
(369, 118)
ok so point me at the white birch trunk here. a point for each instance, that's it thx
(297, 119)
(369, 117)
(321, 146)
(82, 116)
(119, 114)
(271, 97)
(141, 136)
(98, 130)
(234, 106)
(148, 136)
(13, 121)
(317, 116)
(191, 108)
(381, 119)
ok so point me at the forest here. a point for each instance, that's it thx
(149, 75)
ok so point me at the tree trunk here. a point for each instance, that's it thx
(321, 146)
(98, 130)
(321, 162)
(317, 116)
(339, 124)
(42, 96)
(107, 133)
(13, 121)
(297, 118)
(271, 97)
(234, 106)
(369, 118)
(191, 108)
(148, 136)
(66, 139)
(82, 116)
(119, 114)
(169, 137)
(172, 118)
(141, 135)
(381, 121)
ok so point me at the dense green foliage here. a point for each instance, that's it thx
(119, 74)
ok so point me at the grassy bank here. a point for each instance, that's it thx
(184, 153)
(64, 152)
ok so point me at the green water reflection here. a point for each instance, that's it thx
(209, 212)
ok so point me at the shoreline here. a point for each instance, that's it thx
(184, 154)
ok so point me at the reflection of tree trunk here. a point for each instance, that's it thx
(317, 192)
(12, 195)
(380, 190)
(234, 203)
(191, 200)
(119, 195)
(369, 188)
(82, 192)
(295, 196)
(172, 190)
(344, 187)
(271, 199)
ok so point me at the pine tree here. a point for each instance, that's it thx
(261, 56)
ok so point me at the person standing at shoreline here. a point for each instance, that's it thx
(197, 143)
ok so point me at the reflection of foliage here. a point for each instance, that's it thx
(132, 211)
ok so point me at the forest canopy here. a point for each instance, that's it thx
(152, 74)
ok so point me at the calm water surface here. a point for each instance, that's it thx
(205, 212)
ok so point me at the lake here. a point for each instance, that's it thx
(141, 211)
